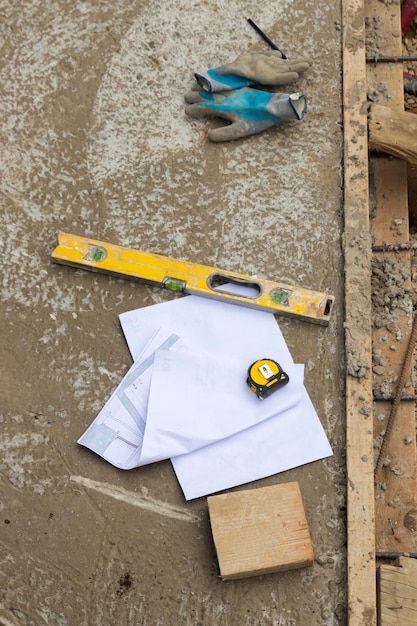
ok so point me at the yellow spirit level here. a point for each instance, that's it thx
(192, 278)
(266, 376)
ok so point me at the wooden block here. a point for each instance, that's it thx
(398, 593)
(260, 531)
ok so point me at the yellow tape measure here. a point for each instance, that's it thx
(266, 376)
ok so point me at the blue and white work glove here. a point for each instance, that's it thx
(250, 111)
(250, 68)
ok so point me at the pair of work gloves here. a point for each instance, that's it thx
(227, 92)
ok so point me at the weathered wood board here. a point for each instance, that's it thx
(374, 27)
(396, 488)
(393, 132)
(397, 597)
(260, 531)
(358, 309)
(395, 491)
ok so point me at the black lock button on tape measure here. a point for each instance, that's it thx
(266, 376)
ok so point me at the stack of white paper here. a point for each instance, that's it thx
(186, 398)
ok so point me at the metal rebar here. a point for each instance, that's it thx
(397, 396)
(394, 247)
(391, 59)
(395, 555)
(412, 398)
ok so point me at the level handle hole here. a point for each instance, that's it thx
(234, 286)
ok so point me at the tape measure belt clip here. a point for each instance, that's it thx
(266, 376)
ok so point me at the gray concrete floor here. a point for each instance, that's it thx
(95, 141)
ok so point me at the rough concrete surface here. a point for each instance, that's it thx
(94, 141)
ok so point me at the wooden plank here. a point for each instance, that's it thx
(393, 132)
(260, 531)
(398, 593)
(358, 310)
(396, 488)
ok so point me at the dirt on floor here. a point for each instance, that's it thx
(95, 142)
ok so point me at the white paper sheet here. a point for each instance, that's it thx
(215, 327)
(169, 403)
(197, 399)
(279, 443)
(118, 431)
(289, 440)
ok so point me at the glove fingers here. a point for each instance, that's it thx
(227, 133)
(273, 56)
(272, 76)
(284, 79)
(196, 110)
(299, 65)
(265, 69)
(209, 105)
(200, 109)
(191, 97)
(238, 129)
